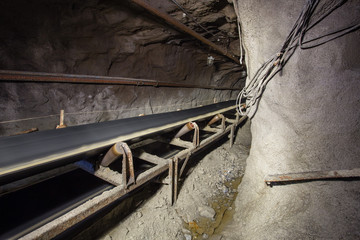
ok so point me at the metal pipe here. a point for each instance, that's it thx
(185, 129)
(114, 153)
(23, 76)
(176, 177)
(182, 27)
(130, 165)
(311, 176)
(216, 118)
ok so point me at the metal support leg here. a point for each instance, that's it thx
(124, 169)
(196, 138)
(232, 132)
(130, 164)
(184, 164)
(237, 118)
(223, 119)
(176, 178)
(171, 182)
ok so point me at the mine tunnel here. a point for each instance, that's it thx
(179, 119)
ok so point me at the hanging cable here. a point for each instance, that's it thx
(310, 16)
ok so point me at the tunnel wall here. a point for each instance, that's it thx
(308, 120)
(106, 38)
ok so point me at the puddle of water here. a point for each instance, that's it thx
(223, 205)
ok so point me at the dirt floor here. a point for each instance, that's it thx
(204, 205)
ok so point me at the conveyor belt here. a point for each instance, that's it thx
(23, 155)
(29, 208)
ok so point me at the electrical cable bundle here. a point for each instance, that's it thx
(248, 99)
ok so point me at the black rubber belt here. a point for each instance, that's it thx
(24, 155)
(25, 210)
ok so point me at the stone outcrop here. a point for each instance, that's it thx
(308, 119)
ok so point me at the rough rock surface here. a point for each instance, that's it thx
(308, 119)
(109, 38)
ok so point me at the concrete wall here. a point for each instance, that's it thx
(308, 119)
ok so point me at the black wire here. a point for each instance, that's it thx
(308, 19)
(333, 8)
(341, 32)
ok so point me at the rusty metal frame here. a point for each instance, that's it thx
(184, 155)
(57, 226)
(311, 176)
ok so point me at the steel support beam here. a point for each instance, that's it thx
(172, 21)
(23, 76)
(311, 176)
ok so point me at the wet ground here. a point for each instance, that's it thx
(223, 204)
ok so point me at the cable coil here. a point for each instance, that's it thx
(311, 14)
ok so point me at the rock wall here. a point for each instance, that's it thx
(109, 38)
(308, 119)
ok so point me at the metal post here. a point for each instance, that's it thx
(232, 135)
(223, 119)
(184, 164)
(171, 182)
(176, 178)
(124, 171)
(61, 117)
(130, 164)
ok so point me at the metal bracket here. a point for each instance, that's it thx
(223, 121)
(311, 176)
(127, 166)
(196, 138)
(232, 133)
(117, 150)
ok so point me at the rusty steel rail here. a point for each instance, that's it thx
(311, 176)
(183, 28)
(24, 76)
